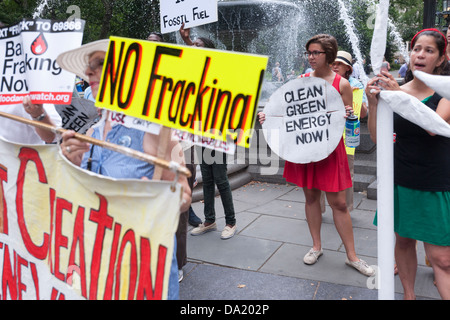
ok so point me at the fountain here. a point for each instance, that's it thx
(268, 27)
(241, 22)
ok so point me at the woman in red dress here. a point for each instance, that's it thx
(331, 175)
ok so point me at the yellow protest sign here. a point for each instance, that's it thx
(357, 103)
(202, 91)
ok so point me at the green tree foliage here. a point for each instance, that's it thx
(133, 19)
(137, 18)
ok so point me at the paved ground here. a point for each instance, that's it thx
(264, 260)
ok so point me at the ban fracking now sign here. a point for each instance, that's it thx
(28, 52)
(196, 90)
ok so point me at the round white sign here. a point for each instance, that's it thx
(304, 120)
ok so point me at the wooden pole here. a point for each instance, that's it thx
(168, 165)
(164, 138)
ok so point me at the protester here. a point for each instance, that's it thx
(332, 174)
(343, 66)
(291, 75)
(201, 42)
(421, 167)
(385, 65)
(155, 36)
(86, 62)
(402, 71)
(277, 74)
(198, 42)
(214, 172)
(181, 233)
(356, 72)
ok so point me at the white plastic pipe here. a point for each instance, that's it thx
(385, 201)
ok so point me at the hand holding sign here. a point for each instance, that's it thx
(175, 13)
(28, 51)
(304, 120)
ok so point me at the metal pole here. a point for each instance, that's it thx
(429, 13)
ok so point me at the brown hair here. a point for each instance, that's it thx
(328, 43)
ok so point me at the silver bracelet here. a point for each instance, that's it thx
(40, 118)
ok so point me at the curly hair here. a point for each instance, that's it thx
(328, 43)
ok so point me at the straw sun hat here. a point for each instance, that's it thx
(345, 58)
(76, 60)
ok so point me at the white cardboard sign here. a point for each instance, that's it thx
(304, 120)
(192, 13)
(28, 52)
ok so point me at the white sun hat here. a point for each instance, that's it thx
(76, 60)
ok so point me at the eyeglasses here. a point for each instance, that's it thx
(95, 64)
(314, 54)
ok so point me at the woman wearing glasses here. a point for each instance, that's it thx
(331, 175)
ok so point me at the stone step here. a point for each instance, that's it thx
(372, 190)
(368, 167)
(272, 174)
(362, 181)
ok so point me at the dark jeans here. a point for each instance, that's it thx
(216, 174)
(181, 233)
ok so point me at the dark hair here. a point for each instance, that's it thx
(348, 73)
(328, 43)
(441, 43)
(208, 43)
(158, 34)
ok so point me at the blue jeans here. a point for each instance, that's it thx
(174, 286)
(216, 174)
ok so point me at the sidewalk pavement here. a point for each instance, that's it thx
(264, 260)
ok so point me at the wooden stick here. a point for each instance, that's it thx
(164, 138)
(173, 166)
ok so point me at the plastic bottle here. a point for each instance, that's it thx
(352, 131)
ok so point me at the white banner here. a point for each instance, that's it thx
(72, 234)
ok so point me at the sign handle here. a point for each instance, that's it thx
(164, 139)
(104, 144)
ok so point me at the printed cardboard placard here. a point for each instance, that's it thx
(218, 145)
(357, 104)
(173, 13)
(196, 90)
(304, 120)
(79, 115)
(69, 233)
(28, 52)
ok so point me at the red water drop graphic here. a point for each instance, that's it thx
(39, 45)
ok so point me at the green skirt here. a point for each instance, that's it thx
(422, 215)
